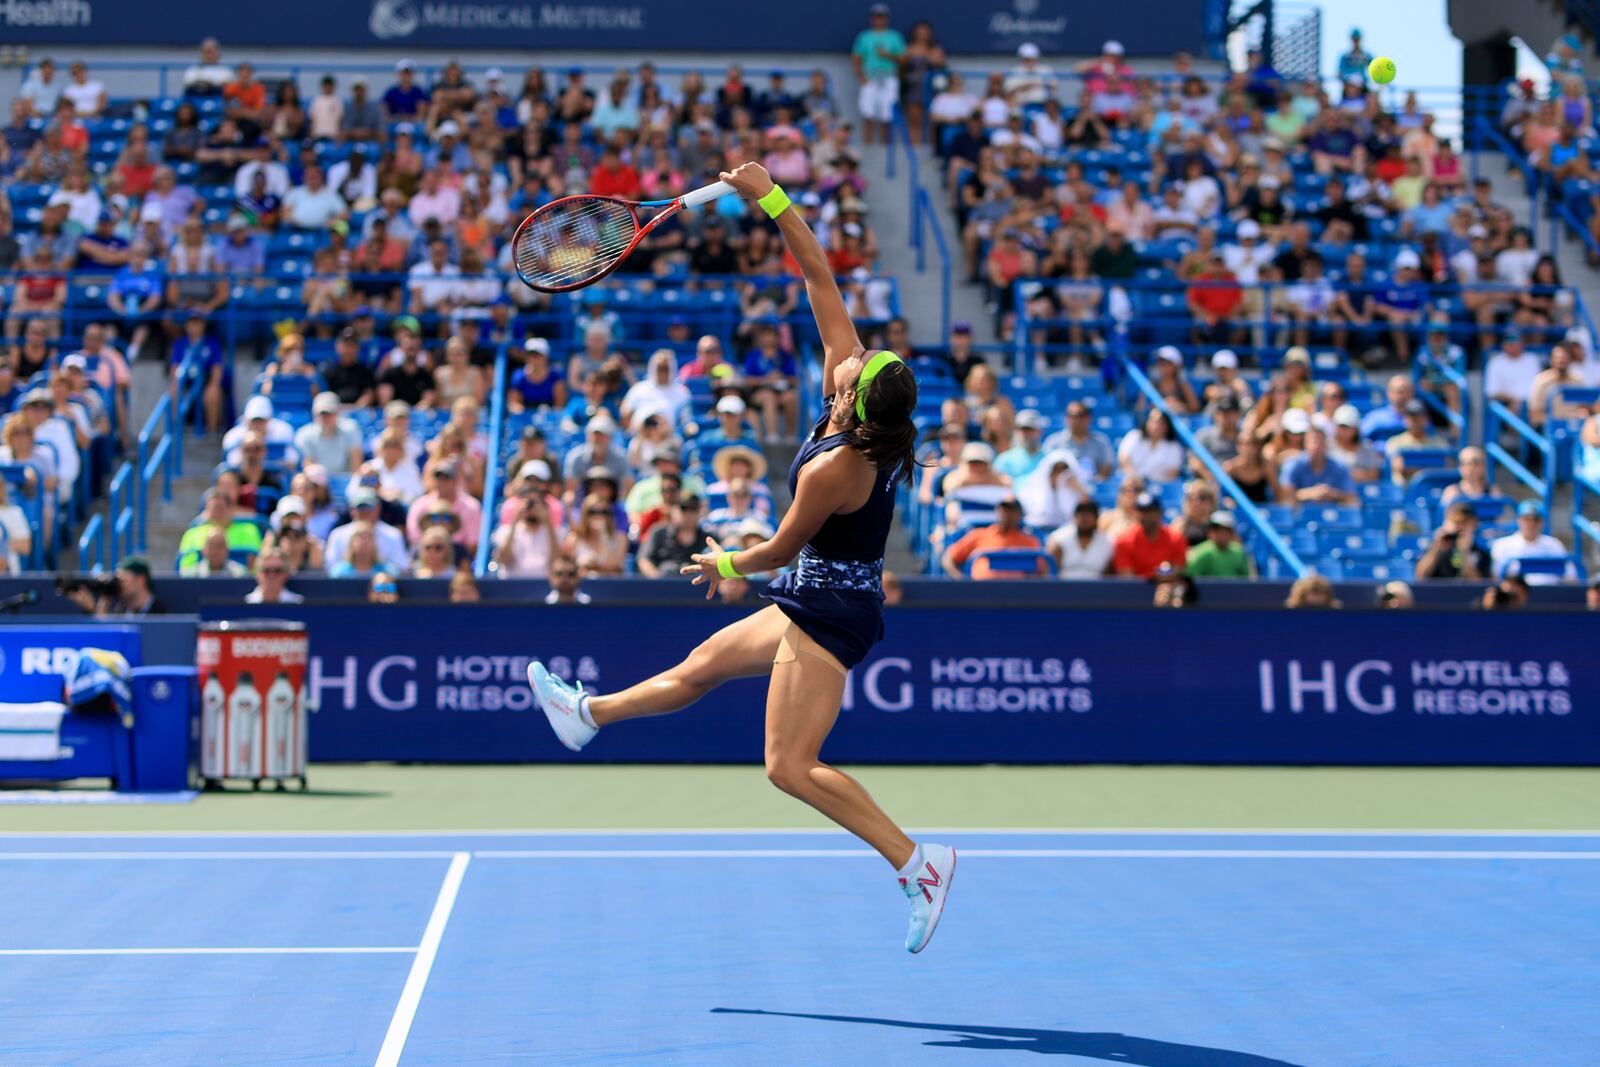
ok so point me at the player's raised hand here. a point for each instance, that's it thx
(749, 180)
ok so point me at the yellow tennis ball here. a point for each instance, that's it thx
(1381, 70)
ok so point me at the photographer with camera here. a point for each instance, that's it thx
(525, 544)
(1455, 551)
(128, 593)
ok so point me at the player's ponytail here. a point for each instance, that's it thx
(888, 437)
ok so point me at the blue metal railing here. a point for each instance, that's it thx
(924, 217)
(1457, 420)
(1490, 133)
(492, 478)
(1246, 508)
(1497, 416)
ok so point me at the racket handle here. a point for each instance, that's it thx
(707, 194)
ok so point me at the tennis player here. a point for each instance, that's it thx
(828, 613)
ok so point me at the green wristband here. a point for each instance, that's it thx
(775, 203)
(725, 566)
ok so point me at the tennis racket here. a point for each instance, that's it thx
(578, 240)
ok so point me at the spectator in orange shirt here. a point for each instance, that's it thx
(1142, 547)
(245, 96)
(613, 177)
(1007, 532)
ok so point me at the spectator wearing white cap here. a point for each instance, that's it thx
(258, 417)
(1228, 381)
(1169, 380)
(1249, 253)
(599, 449)
(731, 412)
(329, 439)
(1402, 302)
(1108, 66)
(1030, 81)
(1530, 542)
(405, 99)
(1365, 463)
(875, 57)
(1019, 461)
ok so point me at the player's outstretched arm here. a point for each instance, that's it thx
(838, 333)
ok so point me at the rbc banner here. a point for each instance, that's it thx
(1158, 27)
(981, 686)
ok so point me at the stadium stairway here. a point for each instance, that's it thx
(1512, 191)
(890, 203)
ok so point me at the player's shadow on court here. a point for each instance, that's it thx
(1116, 1048)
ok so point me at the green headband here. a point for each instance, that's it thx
(868, 373)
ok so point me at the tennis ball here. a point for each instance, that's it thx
(1381, 70)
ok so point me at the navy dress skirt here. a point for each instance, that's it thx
(835, 594)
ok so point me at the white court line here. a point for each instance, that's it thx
(1035, 853)
(746, 831)
(394, 1042)
(308, 854)
(313, 950)
(822, 853)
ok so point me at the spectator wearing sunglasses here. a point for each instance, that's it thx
(272, 579)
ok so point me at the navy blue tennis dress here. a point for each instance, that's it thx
(835, 594)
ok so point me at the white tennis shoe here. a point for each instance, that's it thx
(926, 888)
(563, 706)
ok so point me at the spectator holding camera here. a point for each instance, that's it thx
(1455, 550)
(525, 545)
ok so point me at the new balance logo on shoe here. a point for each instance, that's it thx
(932, 880)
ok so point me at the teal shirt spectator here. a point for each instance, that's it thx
(1353, 64)
(1017, 463)
(869, 43)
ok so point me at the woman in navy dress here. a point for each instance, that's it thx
(826, 614)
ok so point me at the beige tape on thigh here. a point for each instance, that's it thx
(795, 641)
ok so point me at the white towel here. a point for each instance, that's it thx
(31, 731)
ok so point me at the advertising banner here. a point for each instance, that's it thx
(252, 699)
(1148, 27)
(446, 682)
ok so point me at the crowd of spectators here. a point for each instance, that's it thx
(388, 209)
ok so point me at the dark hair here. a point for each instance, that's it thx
(888, 439)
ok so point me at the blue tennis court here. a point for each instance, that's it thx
(1164, 949)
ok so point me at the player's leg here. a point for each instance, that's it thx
(802, 705)
(743, 649)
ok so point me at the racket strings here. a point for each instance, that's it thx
(568, 244)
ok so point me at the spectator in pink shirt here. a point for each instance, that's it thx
(787, 162)
(446, 495)
(434, 200)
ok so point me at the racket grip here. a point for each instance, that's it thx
(706, 194)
